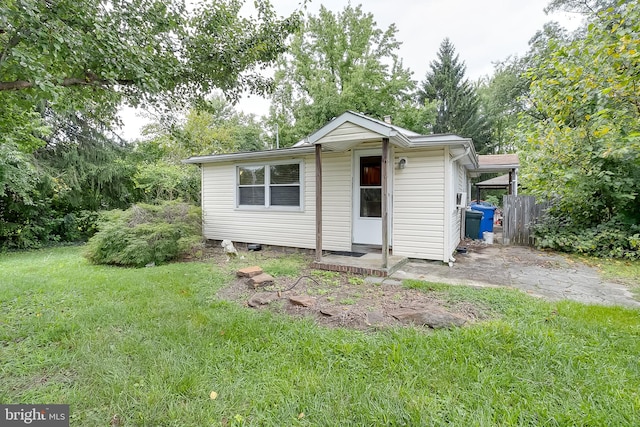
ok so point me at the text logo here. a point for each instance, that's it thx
(34, 415)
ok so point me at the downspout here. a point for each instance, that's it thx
(451, 261)
(466, 152)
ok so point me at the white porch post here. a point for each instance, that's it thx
(318, 203)
(385, 203)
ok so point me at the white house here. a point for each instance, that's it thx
(356, 182)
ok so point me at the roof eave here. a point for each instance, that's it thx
(497, 168)
(282, 152)
(439, 141)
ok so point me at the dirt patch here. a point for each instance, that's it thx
(346, 300)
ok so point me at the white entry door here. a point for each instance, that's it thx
(367, 198)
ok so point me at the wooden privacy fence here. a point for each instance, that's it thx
(520, 213)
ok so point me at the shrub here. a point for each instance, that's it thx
(146, 234)
(77, 226)
(615, 238)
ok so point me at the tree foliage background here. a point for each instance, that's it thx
(339, 61)
(66, 68)
(581, 144)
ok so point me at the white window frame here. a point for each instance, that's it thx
(267, 187)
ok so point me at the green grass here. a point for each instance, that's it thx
(621, 269)
(151, 344)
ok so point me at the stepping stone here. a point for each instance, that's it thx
(262, 298)
(433, 317)
(249, 271)
(263, 279)
(331, 312)
(303, 300)
(375, 318)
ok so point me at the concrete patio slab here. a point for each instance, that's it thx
(547, 275)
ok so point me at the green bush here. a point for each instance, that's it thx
(615, 238)
(146, 234)
(493, 199)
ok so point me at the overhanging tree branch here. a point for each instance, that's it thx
(88, 80)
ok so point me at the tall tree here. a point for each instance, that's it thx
(503, 96)
(218, 129)
(455, 97)
(67, 66)
(339, 61)
(582, 147)
(93, 55)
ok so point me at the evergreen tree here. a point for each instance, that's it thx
(456, 98)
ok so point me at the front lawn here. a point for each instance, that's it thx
(146, 347)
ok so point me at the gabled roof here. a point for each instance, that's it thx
(350, 129)
(369, 128)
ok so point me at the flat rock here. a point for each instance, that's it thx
(375, 318)
(433, 317)
(263, 279)
(249, 271)
(331, 311)
(262, 298)
(303, 300)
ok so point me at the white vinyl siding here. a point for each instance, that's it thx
(295, 228)
(418, 200)
(418, 194)
(336, 201)
(348, 133)
(459, 186)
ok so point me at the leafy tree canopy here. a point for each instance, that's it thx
(583, 145)
(160, 174)
(587, 7)
(219, 128)
(67, 66)
(338, 61)
(94, 55)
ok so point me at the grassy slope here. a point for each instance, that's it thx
(151, 344)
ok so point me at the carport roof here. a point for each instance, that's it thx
(497, 162)
(501, 181)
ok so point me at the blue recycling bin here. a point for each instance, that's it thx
(486, 224)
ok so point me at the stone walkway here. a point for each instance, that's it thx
(550, 276)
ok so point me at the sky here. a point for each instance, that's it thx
(482, 31)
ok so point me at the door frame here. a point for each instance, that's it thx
(355, 198)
